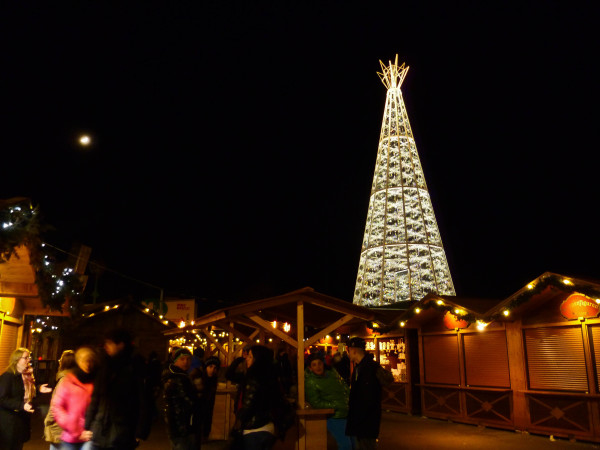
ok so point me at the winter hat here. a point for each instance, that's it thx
(181, 352)
(212, 361)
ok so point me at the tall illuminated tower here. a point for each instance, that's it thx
(402, 256)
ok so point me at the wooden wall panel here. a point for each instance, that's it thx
(555, 358)
(486, 359)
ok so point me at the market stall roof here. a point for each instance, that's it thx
(320, 311)
(531, 296)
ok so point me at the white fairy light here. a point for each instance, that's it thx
(402, 256)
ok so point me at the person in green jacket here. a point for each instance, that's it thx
(326, 389)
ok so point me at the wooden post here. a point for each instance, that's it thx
(228, 402)
(300, 362)
(518, 373)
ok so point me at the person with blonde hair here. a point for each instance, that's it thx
(16, 393)
(71, 399)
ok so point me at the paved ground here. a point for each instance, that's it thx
(398, 431)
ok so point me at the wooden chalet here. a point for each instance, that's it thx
(530, 362)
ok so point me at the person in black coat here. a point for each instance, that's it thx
(368, 378)
(261, 396)
(118, 416)
(15, 412)
(180, 401)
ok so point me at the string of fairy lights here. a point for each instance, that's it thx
(483, 320)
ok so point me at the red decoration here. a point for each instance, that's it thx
(578, 305)
(452, 322)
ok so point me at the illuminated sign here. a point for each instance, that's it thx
(452, 322)
(578, 305)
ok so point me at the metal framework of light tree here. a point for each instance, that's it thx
(402, 256)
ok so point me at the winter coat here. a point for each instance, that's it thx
(364, 414)
(68, 406)
(327, 391)
(14, 420)
(118, 414)
(180, 401)
(259, 393)
(52, 430)
(206, 390)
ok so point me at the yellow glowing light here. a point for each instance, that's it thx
(567, 282)
(417, 310)
(439, 302)
(274, 324)
(481, 325)
(160, 317)
(530, 286)
(147, 310)
(338, 337)
(106, 308)
(287, 327)
(258, 341)
(192, 322)
(181, 324)
(85, 140)
(375, 325)
(598, 300)
(506, 312)
(402, 324)
(270, 339)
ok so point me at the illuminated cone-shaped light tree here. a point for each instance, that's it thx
(402, 256)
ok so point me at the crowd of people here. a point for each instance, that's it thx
(107, 399)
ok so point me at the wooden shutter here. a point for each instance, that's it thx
(555, 359)
(440, 355)
(8, 343)
(486, 359)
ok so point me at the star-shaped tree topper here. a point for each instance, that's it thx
(392, 75)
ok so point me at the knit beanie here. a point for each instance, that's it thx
(180, 352)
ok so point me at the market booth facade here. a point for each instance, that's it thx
(530, 362)
(293, 322)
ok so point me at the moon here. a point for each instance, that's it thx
(85, 140)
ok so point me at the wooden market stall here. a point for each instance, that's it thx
(529, 362)
(296, 320)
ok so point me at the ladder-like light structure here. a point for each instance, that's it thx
(402, 256)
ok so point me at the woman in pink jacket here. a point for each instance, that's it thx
(72, 397)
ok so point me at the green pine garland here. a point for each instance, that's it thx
(20, 226)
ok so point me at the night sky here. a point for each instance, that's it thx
(234, 143)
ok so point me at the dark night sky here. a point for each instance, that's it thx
(235, 142)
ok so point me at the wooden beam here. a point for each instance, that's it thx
(267, 326)
(300, 347)
(325, 331)
(249, 341)
(214, 341)
(364, 315)
(230, 328)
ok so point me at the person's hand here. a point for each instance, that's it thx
(27, 407)
(86, 435)
(44, 389)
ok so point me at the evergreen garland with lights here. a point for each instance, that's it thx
(20, 226)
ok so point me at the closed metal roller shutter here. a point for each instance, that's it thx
(555, 359)
(486, 359)
(441, 359)
(8, 343)
(595, 337)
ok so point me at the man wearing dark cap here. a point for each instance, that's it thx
(180, 401)
(368, 377)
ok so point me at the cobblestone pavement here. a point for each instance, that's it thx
(398, 431)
